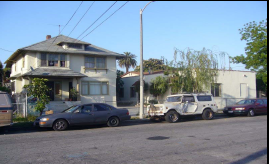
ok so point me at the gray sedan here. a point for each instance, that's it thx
(87, 114)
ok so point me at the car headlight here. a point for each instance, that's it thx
(240, 108)
(44, 119)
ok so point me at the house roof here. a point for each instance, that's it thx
(53, 72)
(138, 73)
(53, 45)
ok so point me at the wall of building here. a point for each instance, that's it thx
(230, 81)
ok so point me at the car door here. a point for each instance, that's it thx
(83, 115)
(265, 106)
(101, 113)
(190, 106)
(259, 106)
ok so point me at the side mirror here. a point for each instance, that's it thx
(186, 102)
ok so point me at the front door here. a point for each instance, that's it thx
(58, 91)
(50, 93)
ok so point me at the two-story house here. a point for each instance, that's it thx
(67, 63)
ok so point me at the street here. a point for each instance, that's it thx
(223, 140)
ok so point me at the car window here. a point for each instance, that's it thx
(242, 102)
(101, 107)
(260, 102)
(204, 98)
(188, 98)
(174, 99)
(71, 109)
(86, 109)
(265, 101)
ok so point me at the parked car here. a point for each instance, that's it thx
(248, 107)
(191, 104)
(87, 114)
(6, 109)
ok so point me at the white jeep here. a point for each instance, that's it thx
(184, 105)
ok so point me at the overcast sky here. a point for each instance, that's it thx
(166, 26)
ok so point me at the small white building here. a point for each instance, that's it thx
(231, 86)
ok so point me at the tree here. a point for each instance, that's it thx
(119, 82)
(152, 65)
(128, 61)
(39, 90)
(256, 50)
(159, 86)
(195, 71)
(4, 73)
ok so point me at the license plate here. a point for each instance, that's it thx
(230, 111)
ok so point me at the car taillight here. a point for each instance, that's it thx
(127, 113)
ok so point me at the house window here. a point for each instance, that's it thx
(23, 62)
(216, 89)
(93, 62)
(95, 88)
(52, 60)
(75, 46)
(43, 60)
(89, 62)
(62, 60)
(132, 92)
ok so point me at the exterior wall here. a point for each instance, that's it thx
(109, 75)
(230, 87)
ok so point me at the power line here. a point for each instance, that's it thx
(81, 18)
(65, 25)
(6, 50)
(71, 17)
(97, 19)
(105, 19)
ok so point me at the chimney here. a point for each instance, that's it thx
(48, 37)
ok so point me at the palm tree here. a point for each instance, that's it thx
(128, 61)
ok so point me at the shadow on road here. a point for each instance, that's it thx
(251, 157)
(30, 129)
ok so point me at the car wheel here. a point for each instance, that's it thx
(172, 117)
(113, 122)
(251, 113)
(207, 114)
(60, 125)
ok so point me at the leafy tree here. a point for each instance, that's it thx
(194, 72)
(128, 61)
(4, 73)
(159, 86)
(256, 50)
(39, 90)
(152, 65)
(119, 82)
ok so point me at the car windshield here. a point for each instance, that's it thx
(242, 102)
(70, 109)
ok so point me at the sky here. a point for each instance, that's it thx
(167, 26)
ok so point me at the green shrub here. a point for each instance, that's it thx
(19, 118)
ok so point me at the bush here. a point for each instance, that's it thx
(29, 118)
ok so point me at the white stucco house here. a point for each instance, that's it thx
(67, 63)
(231, 86)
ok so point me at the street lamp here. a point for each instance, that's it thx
(141, 111)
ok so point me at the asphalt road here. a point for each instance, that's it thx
(220, 141)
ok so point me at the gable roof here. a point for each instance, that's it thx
(53, 45)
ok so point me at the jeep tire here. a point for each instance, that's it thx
(207, 114)
(172, 116)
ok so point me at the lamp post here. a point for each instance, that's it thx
(141, 111)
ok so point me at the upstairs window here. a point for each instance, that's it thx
(75, 46)
(52, 60)
(93, 62)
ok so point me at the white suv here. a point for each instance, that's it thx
(184, 105)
